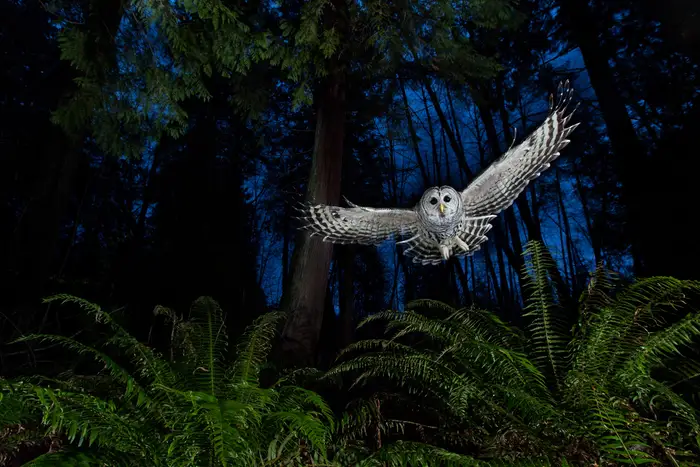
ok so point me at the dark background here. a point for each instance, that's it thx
(133, 212)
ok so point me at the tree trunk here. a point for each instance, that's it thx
(433, 144)
(312, 256)
(286, 241)
(454, 143)
(534, 231)
(629, 151)
(414, 136)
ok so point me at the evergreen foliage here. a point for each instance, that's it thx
(139, 60)
(598, 394)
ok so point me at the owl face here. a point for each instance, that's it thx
(440, 206)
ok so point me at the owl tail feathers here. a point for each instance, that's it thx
(444, 249)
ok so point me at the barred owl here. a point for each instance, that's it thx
(446, 222)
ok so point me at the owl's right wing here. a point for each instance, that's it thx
(503, 181)
(358, 224)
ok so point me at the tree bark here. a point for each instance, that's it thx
(312, 256)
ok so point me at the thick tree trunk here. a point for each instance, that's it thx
(312, 256)
(286, 242)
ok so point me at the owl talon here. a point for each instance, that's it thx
(445, 252)
(460, 243)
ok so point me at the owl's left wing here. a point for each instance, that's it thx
(502, 182)
(358, 224)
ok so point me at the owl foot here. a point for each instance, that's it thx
(460, 243)
(445, 252)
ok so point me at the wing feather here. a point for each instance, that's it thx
(501, 183)
(357, 224)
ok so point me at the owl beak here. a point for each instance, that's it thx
(442, 209)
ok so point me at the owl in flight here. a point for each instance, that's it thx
(446, 222)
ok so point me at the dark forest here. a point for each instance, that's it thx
(162, 306)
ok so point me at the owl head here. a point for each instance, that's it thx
(440, 205)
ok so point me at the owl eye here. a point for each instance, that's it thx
(446, 199)
(433, 200)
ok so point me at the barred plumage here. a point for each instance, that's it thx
(503, 181)
(445, 222)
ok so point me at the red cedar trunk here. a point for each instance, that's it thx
(312, 256)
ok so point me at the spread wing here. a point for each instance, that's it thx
(358, 224)
(500, 184)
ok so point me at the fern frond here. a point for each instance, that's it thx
(488, 326)
(90, 420)
(254, 347)
(426, 304)
(403, 453)
(294, 398)
(132, 387)
(369, 345)
(388, 315)
(597, 293)
(619, 330)
(547, 331)
(666, 343)
(613, 423)
(205, 341)
(305, 424)
(72, 458)
(150, 366)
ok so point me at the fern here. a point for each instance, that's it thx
(546, 330)
(594, 388)
(198, 409)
